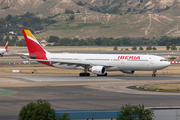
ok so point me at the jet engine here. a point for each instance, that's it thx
(128, 71)
(100, 70)
(1, 54)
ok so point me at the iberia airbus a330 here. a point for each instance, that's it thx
(95, 63)
(2, 51)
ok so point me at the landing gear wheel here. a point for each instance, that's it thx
(84, 74)
(153, 75)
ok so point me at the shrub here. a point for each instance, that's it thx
(115, 48)
(134, 48)
(141, 48)
(154, 48)
(129, 112)
(173, 47)
(41, 110)
(71, 17)
(126, 49)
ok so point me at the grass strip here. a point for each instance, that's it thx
(174, 88)
(5, 92)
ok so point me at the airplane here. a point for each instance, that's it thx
(2, 51)
(95, 63)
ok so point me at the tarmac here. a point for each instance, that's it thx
(74, 92)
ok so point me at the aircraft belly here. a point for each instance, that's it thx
(133, 65)
(112, 69)
(67, 66)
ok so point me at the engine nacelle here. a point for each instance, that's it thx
(128, 71)
(100, 70)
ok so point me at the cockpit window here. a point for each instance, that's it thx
(163, 60)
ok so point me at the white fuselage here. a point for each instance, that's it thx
(2, 50)
(118, 61)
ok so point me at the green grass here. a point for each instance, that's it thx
(162, 87)
(71, 25)
(168, 27)
(123, 26)
(5, 92)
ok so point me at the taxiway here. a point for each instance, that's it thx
(73, 92)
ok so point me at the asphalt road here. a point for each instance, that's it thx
(87, 97)
(96, 78)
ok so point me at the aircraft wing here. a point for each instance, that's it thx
(77, 63)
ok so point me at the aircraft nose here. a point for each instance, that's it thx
(168, 64)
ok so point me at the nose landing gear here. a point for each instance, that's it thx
(154, 73)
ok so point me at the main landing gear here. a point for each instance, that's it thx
(85, 72)
(154, 73)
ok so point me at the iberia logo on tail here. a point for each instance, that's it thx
(33, 45)
(36, 51)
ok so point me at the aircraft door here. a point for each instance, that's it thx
(151, 62)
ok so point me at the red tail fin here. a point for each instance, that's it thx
(6, 46)
(36, 51)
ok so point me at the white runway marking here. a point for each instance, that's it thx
(64, 78)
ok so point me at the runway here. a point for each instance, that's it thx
(96, 78)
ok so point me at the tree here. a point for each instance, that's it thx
(154, 48)
(149, 47)
(1, 37)
(173, 47)
(129, 112)
(71, 17)
(71, 12)
(141, 1)
(129, 10)
(134, 48)
(115, 48)
(168, 47)
(7, 38)
(65, 116)
(80, 3)
(8, 18)
(67, 11)
(53, 39)
(78, 11)
(140, 48)
(41, 110)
